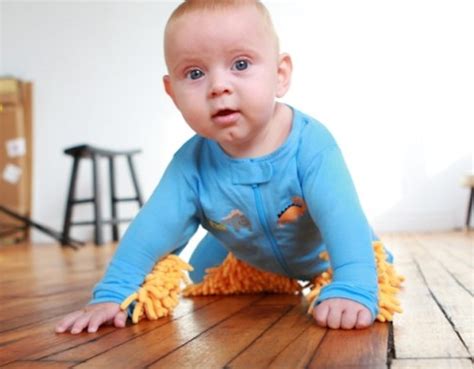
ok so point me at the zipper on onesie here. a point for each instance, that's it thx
(266, 228)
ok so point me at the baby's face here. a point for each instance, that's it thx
(223, 74)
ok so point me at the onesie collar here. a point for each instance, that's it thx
(251, 172)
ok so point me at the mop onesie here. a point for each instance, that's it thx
(276, 212)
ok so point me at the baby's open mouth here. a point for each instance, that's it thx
(224, 112)
(226, 117)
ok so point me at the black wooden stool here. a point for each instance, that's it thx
(94, 153)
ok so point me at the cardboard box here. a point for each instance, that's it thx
(10, 91)
(15, 156)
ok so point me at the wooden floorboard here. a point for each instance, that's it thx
(433, 364)
(272, 342)
(363, 348)
(437, 321)
(40, 283)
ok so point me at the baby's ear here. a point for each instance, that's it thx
(168, 87)
(285, 67)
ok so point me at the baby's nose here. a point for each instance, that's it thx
(219, 85)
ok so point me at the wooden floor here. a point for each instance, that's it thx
(41, 283)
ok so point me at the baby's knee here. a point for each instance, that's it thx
(197, 274)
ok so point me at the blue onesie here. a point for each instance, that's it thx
(277, 212)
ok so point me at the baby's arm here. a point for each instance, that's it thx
(163, 225)
(350, 300)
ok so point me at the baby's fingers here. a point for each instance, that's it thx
(96, 320)
(120, 319)
(320, 314)
(81, 323)
(334, 317)
(67, 321)
(364, 319)
(349, 319)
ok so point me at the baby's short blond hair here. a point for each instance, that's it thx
(189, 6)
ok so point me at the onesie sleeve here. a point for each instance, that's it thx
(165, 223)
(334, 206)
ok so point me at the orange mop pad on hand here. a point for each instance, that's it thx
(159, 293)
(388, 280)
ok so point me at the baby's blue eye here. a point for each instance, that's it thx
(241, 64)
(194, 74)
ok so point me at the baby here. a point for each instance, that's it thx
(268, 182)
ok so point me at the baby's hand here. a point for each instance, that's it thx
(92, 317)
(342, 313)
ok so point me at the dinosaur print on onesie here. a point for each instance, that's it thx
(292, 212)
(237, 220)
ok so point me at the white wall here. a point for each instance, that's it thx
(392, 80)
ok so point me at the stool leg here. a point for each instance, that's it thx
(113, 200)
(97, 205)
(69, 201)
(469, 208)
(135, 180)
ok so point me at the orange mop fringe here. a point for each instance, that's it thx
(234, 276)
(159, 294)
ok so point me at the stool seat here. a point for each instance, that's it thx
(468, 181)
(87, 151)
(93, 153)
